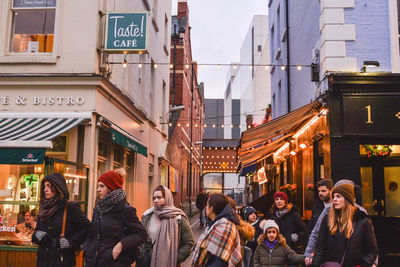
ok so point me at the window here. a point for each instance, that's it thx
(259, 48)
(278, 27)
(272, 35)
(20, 192)
(279, 99)
(33, 24)
(151, 166)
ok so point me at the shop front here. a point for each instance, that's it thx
(77, 126)
(353, 133)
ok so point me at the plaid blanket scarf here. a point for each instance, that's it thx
(222, 240)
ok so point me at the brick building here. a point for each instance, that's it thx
(185, 125)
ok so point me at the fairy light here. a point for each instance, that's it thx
(299, 67)
(281, 149)
(179, 125)
(311, 122)
(251, 67)
(169, 124)
(222, 126)
(187, 66)
(231, 125)
(302, 146)
(213, 125)
(293, 153)
(140, 65)
(171, 66)
(282, 67)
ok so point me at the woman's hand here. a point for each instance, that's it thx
(117, 250)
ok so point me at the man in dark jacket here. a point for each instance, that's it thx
(324, 188)
(201, 202)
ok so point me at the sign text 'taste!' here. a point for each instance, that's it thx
(126, 32)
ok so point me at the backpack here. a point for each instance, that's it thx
(134, 253)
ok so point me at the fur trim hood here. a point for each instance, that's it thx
(246, 230)
(281, 240)
(289, 206)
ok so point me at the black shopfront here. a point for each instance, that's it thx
(364, 129)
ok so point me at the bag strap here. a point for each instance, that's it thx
(64, 220)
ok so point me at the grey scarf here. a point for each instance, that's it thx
(281, 213)
(168, 234)
(105, 204)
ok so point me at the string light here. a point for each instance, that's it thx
(124, 63)
(222, 126)
(299, 67)
(171, 66)
(155, 66)
(282, 67)
(213, 125)
(140, 66)
(302, 146)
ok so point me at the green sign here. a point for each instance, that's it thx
(126, 32)
(22, 156)
(123, 140)
(30, 179)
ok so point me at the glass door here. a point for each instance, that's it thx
(392, 191)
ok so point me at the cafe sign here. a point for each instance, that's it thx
(126, 32)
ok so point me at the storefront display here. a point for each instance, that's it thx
(20, 194)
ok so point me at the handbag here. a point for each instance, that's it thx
(333, 263)
(144, 257)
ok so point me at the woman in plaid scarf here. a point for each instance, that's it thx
(219, 245)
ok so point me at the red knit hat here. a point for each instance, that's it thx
(112, 180)
(281, 195)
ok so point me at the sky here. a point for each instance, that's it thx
(218, 30)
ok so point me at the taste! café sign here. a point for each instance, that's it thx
(126, 32)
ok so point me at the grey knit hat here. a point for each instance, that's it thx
(269, 224)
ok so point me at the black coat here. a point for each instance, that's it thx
(120, 224)
(318, 207)
(289, 224)
(76, 228)
(254, 242)
(201, 201)
(361, 248)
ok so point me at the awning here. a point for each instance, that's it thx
(278, 127)
(126, 140)
(247, 169)
(22, 156)
(258, 143)
(36, 129)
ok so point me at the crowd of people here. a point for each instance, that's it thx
(339, 232)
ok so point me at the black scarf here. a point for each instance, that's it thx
(47, 207)
(105, 204)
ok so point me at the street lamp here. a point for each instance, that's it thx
(369, 64)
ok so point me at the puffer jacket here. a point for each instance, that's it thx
(279, 256)
(290, 223)
(185, 236)
(361, 249)
(76, 229)
(120, 224)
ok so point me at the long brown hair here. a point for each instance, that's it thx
(342, 219)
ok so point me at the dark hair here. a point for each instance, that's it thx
(160, 188)
(325, 182)
(218, 202)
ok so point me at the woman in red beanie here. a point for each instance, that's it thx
(116, 232)
(288, 218)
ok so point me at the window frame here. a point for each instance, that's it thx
(8, 56)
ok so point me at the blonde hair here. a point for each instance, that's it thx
(121, 172)
(342, 219)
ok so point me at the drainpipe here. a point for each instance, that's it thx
(288, 55)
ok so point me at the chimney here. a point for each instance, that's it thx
(183, 10)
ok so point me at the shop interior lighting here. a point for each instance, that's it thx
(293, 153)
(263, 182)
(302, 146)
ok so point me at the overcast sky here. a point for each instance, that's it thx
(218, 30)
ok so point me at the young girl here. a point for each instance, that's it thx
(272, 249)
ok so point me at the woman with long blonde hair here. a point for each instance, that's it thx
(346, 236)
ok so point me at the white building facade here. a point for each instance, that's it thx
(112, 115)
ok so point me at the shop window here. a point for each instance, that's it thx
(151, 166)
(60, 144)
(20, 195)
(118, 156)
(33, 24)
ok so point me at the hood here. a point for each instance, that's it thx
(290, 207)
(58, 181)
(246, 230)
(281, 240)
(229, 213)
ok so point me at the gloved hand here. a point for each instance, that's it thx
(64, 243)
(294, 237)
(42, 236)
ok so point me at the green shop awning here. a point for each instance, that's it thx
(128, 142)
(22, 156)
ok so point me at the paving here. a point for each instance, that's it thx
(197, 230)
